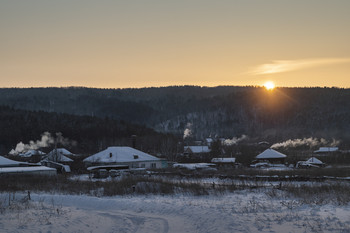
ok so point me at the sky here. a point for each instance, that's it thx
(120, 44)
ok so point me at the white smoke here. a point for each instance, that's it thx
(46, 140)
(188, 131)
(234, 140)
(310, 142)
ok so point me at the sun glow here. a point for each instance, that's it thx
(269, 85)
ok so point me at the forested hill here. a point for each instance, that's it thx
(225, 111)
(82, 134)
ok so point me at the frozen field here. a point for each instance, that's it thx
(241, 211)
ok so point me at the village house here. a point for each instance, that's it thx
(326, 150)
(122, 155)
(59, 155)
(58, 159)
(271, 156)
(196, 150)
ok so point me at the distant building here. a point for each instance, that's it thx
(209, 141)
(271, 156)
(196, 150)
(326, 150)
(224, 162)
(59, 155)
(31, 153)
(122, 155)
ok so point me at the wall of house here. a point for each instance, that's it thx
(151, 164)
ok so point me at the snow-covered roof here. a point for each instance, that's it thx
(26, 169)
(30, 153)
(223, 160)
(271, 154)
(209, 140)
(120, 154)
(197, 149)
(60, 157)
(314, 160)
(326, 149)
(4, 162)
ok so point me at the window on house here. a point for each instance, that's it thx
(136, 156)
(153, 165)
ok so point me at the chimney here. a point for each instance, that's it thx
(133, 141)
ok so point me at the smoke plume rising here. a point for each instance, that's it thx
(234, 140)
(310, 142)
(188, 131)
(46, 140)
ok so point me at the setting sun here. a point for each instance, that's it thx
(269, 85)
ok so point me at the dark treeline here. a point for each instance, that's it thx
(90, 134)
(225, 111)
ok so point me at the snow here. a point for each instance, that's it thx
(193, 166)
(242, 211)
(197, 149)
(120, 154)
(270, 154)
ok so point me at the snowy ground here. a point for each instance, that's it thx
(242, 211)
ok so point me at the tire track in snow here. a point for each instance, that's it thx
(140, 223)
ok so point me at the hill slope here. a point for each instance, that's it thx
(83, 134)
(225, 111)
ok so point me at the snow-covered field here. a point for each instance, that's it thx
(241, 211)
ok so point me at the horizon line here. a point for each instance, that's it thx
(188, 85)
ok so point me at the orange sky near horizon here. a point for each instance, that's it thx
(121, 44)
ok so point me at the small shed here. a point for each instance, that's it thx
(310, 163)
(272, 156)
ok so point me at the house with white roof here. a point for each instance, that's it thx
(272, 156)
(122, 155)
(196, 149)
(326, 150)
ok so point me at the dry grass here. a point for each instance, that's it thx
(310, 193)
